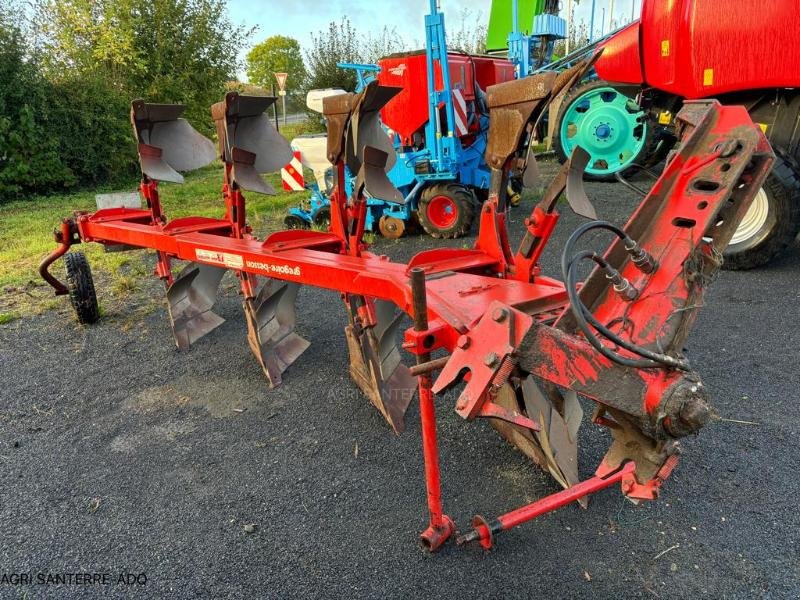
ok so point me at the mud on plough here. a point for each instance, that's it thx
(524, 345)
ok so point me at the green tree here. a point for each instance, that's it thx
(376, 45)
(161, 50)
(338, 44)
(276, 54)
(29, 157)
(470, 35)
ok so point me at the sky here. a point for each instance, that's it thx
(300, 18)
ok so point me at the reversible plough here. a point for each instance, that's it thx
(523, 345)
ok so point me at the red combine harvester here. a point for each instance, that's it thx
(522, 344)
(741, 53)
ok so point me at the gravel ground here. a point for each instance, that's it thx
(119, 454)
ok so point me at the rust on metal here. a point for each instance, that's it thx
(511, 106)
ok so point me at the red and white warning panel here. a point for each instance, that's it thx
(460, 112)
(292, 175)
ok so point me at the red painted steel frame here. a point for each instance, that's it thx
(441, 526)
(459, 302)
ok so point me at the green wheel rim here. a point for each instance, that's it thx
(608, 125)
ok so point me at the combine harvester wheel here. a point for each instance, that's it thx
(771, 223)
(607, 123)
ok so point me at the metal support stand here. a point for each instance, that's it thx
(484, 531)
(441, 526)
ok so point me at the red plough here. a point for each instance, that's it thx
(524, 345)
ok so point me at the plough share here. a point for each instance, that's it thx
(523, 345)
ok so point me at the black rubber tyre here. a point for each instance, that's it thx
(778, 231)
(295, 222)
(446, 210)
(660, 147)
(647, 148)
(81, 288)
(323, 218)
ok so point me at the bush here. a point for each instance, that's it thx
(30, 160)
(29, 157)
(90, 122)
(64, 108)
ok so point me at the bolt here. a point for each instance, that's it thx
(461, 405)
(490, 360)
(463, 342)
(499, 314)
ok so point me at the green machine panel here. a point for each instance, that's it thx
(500, 21)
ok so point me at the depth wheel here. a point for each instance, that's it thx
(771, 223)
(391, 227)
(81, 288)
(608, 124)
(446, 210)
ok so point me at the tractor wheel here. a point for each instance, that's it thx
(771, 223)
(446, 210)
(322, 220)
(81, 288)
(608, 124)
(295, 222)
(391, 227)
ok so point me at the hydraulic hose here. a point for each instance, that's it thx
(584, 317)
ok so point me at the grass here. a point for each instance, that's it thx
(7, 317)
(26, 237)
